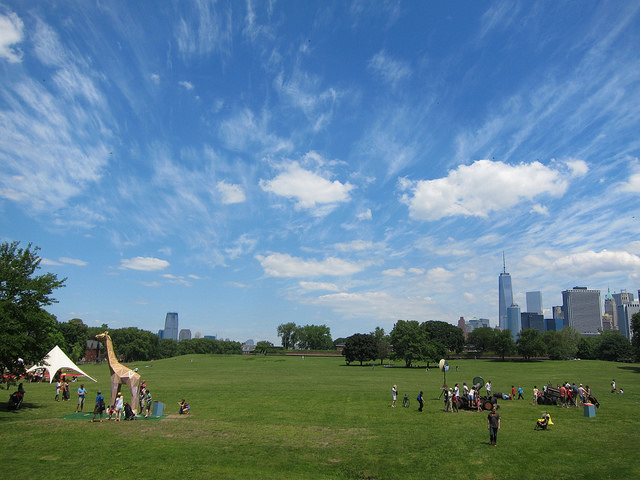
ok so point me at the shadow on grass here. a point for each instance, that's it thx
(25, 407)
(631, 369)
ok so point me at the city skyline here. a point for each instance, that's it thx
(347, 164)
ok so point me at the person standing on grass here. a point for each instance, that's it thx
(118, 406)
(488, 388)
(394, 395)
(520, 392)
(147, 404)
(58, 387)
(81, 395)
(420, 401)
(493, 425)
(535, 395)
(99, 407)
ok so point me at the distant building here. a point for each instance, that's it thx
(185, 334)
(610, 310)
(625, 313)
(534, 302)
(160, 334)
(622, 297)
(549, 325)
(533, 320)
(462, 326)
(582, 310)
(513, 320)
(607, 322)
(558, 317)
(212, 337)
(171, 326)
(474, 323)
(505, 296)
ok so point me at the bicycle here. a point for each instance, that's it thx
(405, 401)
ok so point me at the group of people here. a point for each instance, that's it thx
(62, 387)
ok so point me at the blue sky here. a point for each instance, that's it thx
(251, 163)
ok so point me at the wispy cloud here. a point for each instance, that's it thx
(11, 33)
(146, 264)
(391, 71)
(230, 193)
(186, 85)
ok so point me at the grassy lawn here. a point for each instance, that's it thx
(285, 417)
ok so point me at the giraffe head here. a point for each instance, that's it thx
(103, 336)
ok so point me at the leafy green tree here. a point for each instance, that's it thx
(383, 343)
(614, 346)
(588, 348)
(75, 334)
(287, 332)
(450, 336)
(264, 347)
(530, 344)
(27, 330)
(482, 338)
(314, 337)
(409, 341)
(167, 348)
(361, 347)
(635, 342)
(555, 346)
(503, 344)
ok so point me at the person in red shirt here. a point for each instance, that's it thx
(563, 396)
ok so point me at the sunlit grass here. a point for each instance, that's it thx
(284, 417)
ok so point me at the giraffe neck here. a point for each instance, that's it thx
(111, 355)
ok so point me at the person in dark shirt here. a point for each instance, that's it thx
(493, 425)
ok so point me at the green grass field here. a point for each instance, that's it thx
(284, 417)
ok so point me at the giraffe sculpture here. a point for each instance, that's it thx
(120, 374)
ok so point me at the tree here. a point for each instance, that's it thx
(383, 342)
(409, 341)
(27, 331)
(264, 347)
(361, 347)
(530, 344)
(614, 346)
(75, 334)
(503, 344)
(314, 337)
(482, 338)
(286, 332)
(588, 348)
(450, 336)
(635, 342)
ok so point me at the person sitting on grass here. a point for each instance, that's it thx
(184, 407)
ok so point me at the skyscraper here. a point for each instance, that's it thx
(505, 296)
(171, 326)
(513, 320)
(582, 310)
(534, 302)
(625, 313)
(610, 308)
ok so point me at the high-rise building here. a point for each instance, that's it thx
(558, 318)
(505, 296)
(463, 326)
(610, 308)
(185, 334)
(533, 320)
(625, 312)
(534, 302)
(622, 297)
(513, 320)
(582, 310)
(476, 323)
(171, 326)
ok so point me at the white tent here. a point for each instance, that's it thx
(57, 360)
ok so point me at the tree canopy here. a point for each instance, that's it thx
(530, 344)
(361, 347)
(27, 330)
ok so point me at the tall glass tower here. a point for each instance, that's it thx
(171, 326)
(505, 296)
(534, 302)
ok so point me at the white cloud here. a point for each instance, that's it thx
(73, 261)
(395, 272)
(307, 188)
(366, 215)
(284, 265)
(478, 189)
(355, 246)
(311, 286)
(632, 185)
(590, 263)
(390, 70)
(579, 168)
(186, 85)
(155, 78)
(230, 193)
(147, 264)
(541, 209)
(11, 32)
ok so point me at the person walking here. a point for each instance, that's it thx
(81, 396)
(99, 407)
(520, 392)
(394, 396)
(488, 388)
(493, 425)
(420, 401)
